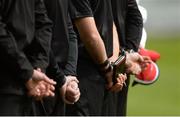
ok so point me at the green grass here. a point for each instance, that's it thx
(163, 97)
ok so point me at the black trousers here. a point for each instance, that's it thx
(50, 106)
(116, 103)
(15, 105)
(121, 100)
(94, 99)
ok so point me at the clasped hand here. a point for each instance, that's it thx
(40, 85)
(70, 91)
(135, 63)
(120, 80)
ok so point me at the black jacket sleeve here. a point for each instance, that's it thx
(70, 67)
(15, 59)
(80, 9)
(41, 44)
(54, 71)
(134, 25)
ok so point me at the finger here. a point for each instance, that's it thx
(73, 85)
(42, 77)
(51, 94)
(122, 78)
(71, 79)
(34, 92)
(73, 99)
(138, 69)
(122, 81)
(74, 96)
(42, 86)
(51, 87)
(72, 92)
(119, 79)
(146, 58)
(69, 100)
(144, 66)
(78, 96)
(45, 92)
(39, 69)
(140, 58)
(125, 76)
(116, 88)
(48, 80)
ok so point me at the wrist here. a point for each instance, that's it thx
(127, 52)
(130, 51)
(105, 66)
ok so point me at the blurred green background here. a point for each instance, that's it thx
(163, 30)
(163, 97)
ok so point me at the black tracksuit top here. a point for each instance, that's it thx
(129, 24)
(64, 40)
(102, 13)
(25, 35)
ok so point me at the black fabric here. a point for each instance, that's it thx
(64, 41)
(63, 56)
(15, 105)
(94, 95)
(25, 34)
(71, 64)
(128, 22)
(50, 106)
(57, 12)
(121, 103)
(117, 102)
(55, 72)
(101, 11)
(91, 83)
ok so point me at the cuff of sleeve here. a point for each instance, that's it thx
(69, 73)
(40, 64)
(131, 48)
(130, 51)
(60, 81)
(26, 75)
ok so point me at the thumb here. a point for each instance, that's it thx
(48, 80)
(39, 69)
(140, 58)
(39, 76)
(71, 78)
(63, 93)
